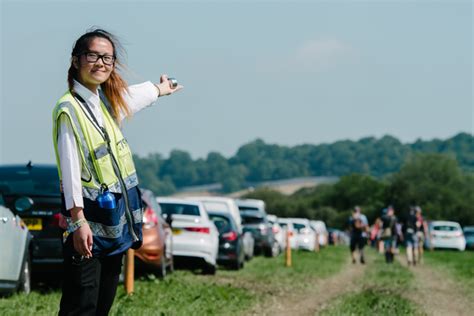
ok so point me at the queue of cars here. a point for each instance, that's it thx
(199, 232)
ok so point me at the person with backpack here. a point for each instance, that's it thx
(389, 233)
(358, 225)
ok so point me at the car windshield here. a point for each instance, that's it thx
(446, 228)
(29, 181)
(179, 209)
(252, 219)
(222, 223)
(283, 225)
(299, 227)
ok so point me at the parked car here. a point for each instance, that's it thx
(446, 234)
(195, 237)
(220, 204)
(41, 184)
(256, 222)
(251, 205)
(156, 252)
(288, 228)
(15, 273)
(305, 235)
(277, 231)
(231, 244)
(469, 235)
(320, 228)
(249, 245)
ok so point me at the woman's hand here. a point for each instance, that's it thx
(165, 87)
(82, 239)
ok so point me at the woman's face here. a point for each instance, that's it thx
(92, 74)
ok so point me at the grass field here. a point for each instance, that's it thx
(375, 289)
(458, 265)
(183, 292)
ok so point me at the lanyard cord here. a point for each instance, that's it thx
(85, 105)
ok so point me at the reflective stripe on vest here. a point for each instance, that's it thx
(94, 152)
(101, 230)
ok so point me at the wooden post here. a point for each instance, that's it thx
(129, 271)
(288, 249)
(316, 246)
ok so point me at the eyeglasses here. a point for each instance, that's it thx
(94, 57)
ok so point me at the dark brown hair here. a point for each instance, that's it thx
(115, 86)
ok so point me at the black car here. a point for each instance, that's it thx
(257, 223)
(231, 245)
(40, 185)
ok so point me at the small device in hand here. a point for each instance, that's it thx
(173, 82)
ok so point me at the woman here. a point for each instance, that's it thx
(101, 200)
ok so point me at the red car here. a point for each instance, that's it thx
(155, 255)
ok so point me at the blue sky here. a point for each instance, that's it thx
(286, 72)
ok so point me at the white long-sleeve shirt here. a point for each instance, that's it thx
(138, 97)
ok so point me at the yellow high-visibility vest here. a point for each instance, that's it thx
(104, 162)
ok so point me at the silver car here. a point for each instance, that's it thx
(15, 273)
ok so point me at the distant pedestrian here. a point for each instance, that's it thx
(411, 238)
(421, 228)
(358, 234)
(389, 233)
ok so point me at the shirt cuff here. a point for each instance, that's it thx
(74, 201)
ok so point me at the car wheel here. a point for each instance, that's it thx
(171, 264)
(24, 285)
(209, 269)
(162, 270)
(236, 265)
(275, 249)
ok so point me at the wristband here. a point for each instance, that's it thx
(76, 225)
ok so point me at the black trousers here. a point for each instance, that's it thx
(89, 285)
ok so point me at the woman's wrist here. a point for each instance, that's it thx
(159, 90)
(77, 213)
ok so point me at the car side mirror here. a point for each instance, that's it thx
(23, 204)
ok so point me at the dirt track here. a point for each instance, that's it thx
(433, 292)
(318, 295)
(436, 293)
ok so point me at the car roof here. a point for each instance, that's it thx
(250, 202)
(177, 201)
(445, 223)
(299, 220)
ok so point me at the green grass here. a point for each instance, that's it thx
(458, 265)
(184, 293)
(382, 290)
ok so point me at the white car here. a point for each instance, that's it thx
(277, 231)
(220, 204)
(15, 273)
(195, 237)
(305, 236)
(251, 205)
(322, 232)
(287, 226)
(446, 234)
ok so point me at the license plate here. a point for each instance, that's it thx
(176, 231)
(34, 223)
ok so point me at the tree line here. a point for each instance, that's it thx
(435, 182)
(258, 161)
